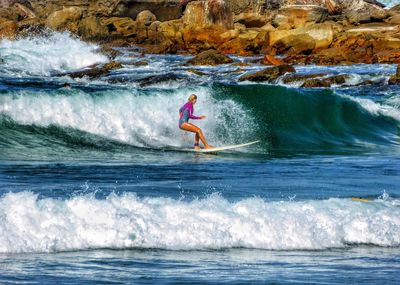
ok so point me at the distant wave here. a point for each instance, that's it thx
(47, 54)
(30, 224)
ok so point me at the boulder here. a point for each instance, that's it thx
(205, 14)
(301, 77)
(104, 7)
(297, 16)
(360, 11)
(315, 83)
(321, 34)
(295, 44)
(8, 28)
(271, 60)
(120, 26)
(326, 82)
(94, 72)
(395, 79)
(145, 18)
(268, 74)
(155, 79)
(209, 57)
(91, 28)
(24, 12)
(65, 19)
(251, 20)
(395, 19)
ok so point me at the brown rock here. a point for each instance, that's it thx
(145, 18)
(297, 16)
(204, 14)
(271, 60)
(391, 56)
(301, 77)
(322, 34)
(91, 28)
(295, 44)
(195, 71)
(102, 7)
(268, 74)
(395, 19)
(24, 12)
(120, 26)
(95, 72)
(65, 19)
(209, 57)
(166, 46)
(252, 20)
(395, 79)
(8, 28)
(315, 83)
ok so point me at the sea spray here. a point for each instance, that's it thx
(47, 54)
(30, 224)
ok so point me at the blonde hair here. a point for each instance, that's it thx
(192, 96)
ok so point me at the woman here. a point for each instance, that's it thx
(186, 113)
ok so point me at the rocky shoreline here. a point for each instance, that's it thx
(322, 32)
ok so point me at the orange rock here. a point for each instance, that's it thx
(8, 28)
(271, 60)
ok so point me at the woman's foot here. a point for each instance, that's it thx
(208, 146)
(196, 147)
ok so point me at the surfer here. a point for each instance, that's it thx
(186, 113)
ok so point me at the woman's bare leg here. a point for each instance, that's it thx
(194, 129)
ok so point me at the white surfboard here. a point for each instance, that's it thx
(219, 149)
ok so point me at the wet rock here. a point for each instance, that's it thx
(140, 63)
(315, 83)
(156, 79)
(195, 71)
(65, 19)
(268, 74)
(94, 72)
(326, 82)
(301, 77)
(271, 60)
(395, 79)
(209, 57)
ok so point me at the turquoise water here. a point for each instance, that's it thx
(92, 191)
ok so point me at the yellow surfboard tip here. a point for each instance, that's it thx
(361, 199)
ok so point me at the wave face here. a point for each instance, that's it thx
(45, 55)
(29, 224)
(318, 119)
(132, 117)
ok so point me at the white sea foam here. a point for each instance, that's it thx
(29, 224)
(388, 109)
(57, 52)
(131, 117)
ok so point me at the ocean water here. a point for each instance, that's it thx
(94, 191)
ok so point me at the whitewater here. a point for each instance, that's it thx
(93, 191)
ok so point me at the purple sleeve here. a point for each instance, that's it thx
(190, 107)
